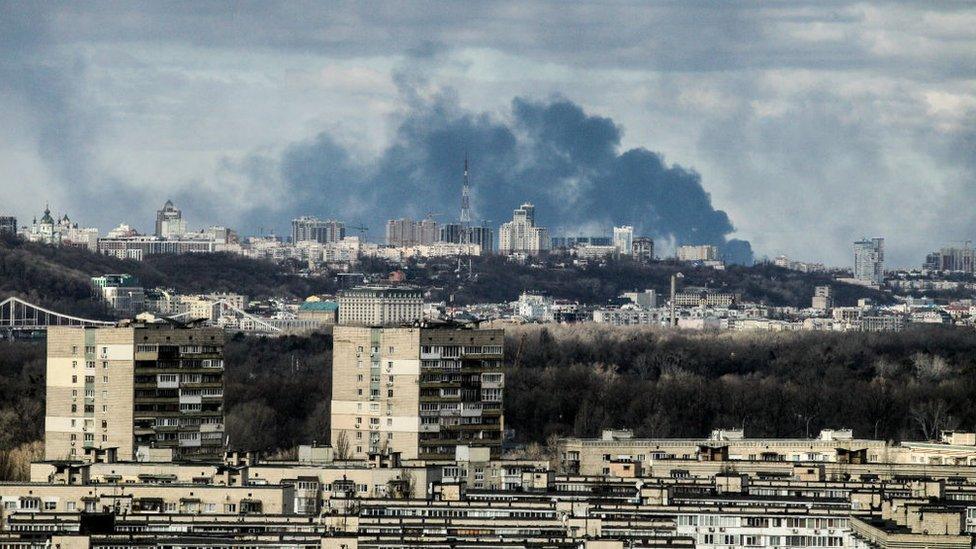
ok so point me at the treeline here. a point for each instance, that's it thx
(581, 379)
(498, 280)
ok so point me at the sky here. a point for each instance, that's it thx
(766, 128)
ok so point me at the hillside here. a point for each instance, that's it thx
(59, 278)
(501, 280)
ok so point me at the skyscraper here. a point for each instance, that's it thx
(313, 229)
(643, 249)
(8, 225)
(169, 221)
(869, 260)
(520, 235)
(623, 239)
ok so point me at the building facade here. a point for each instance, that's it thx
(308, 228)
(623, 239)
(869, 260)
(643, 249)
(8, 225)
(121, 292)
(417, 391)
(380, 305)
(141, 384)
(521, 235)
(407, 232)
(169, 221)
(705, 252)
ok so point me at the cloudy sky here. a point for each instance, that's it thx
(795, 126)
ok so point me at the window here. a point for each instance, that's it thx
(74, 379)
(230, 507)
(71, 506)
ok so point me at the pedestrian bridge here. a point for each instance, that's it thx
(17, 314)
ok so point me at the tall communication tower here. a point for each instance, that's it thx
(465, 196)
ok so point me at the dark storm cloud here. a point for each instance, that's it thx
(551, 153)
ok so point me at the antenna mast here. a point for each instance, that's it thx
(465, 196)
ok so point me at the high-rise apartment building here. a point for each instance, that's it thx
(953, 259)
(705, 252)
(8, 225)
(623, 239)
(308, 228)
(380, 305)
(521, 235)
(456, 233)
(643, 249)
(418, 391)
(407, 232)
(170, 222)
(138, 384)
(869, 260)
(823, 298)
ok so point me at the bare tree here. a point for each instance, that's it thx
(342, 446)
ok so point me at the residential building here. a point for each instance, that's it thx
(576, 241)
(138, 247)
(380, 305)
(121, 292)
(703, 297)
(521, 235)
(869, 261)
(326, 312)
(623, 239)
(139, 384)
(170, 222)
(823, 298)
(705, 252)
(309, 228)
(417, 391)
(534, 307)
(953, 259)
(407, 232)
(8, 225)
(643, 249)
(456, 233)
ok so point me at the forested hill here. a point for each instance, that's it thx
(59, 277)
(497, 279)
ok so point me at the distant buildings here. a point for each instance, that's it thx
(419, 392)
(623, 240)
(121, 292)
(8, 225)
(823, 298)
(521, 235)
(170, 222)
(869, 261)
(407, 232)
(60, 232)
(142, 384)
(457, 233)
(380, 305)
(705, 252)
(170, 237)
(576, 241)
(960, 259)
(312, 229)
(643, 249)
(801, 266)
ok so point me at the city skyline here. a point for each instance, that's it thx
(808, 125)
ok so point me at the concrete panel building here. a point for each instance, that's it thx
(380, 305)
(148, 384)
(417, 391)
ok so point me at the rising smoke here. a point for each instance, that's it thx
(552, 153)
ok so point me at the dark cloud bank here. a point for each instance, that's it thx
(551, 153)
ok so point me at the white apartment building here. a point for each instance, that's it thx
(623, 239)
(705, 252)
(869, 260)
(521, 235)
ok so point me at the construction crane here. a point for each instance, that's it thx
(363, 230)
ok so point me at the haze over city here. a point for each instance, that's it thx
(797, 127)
